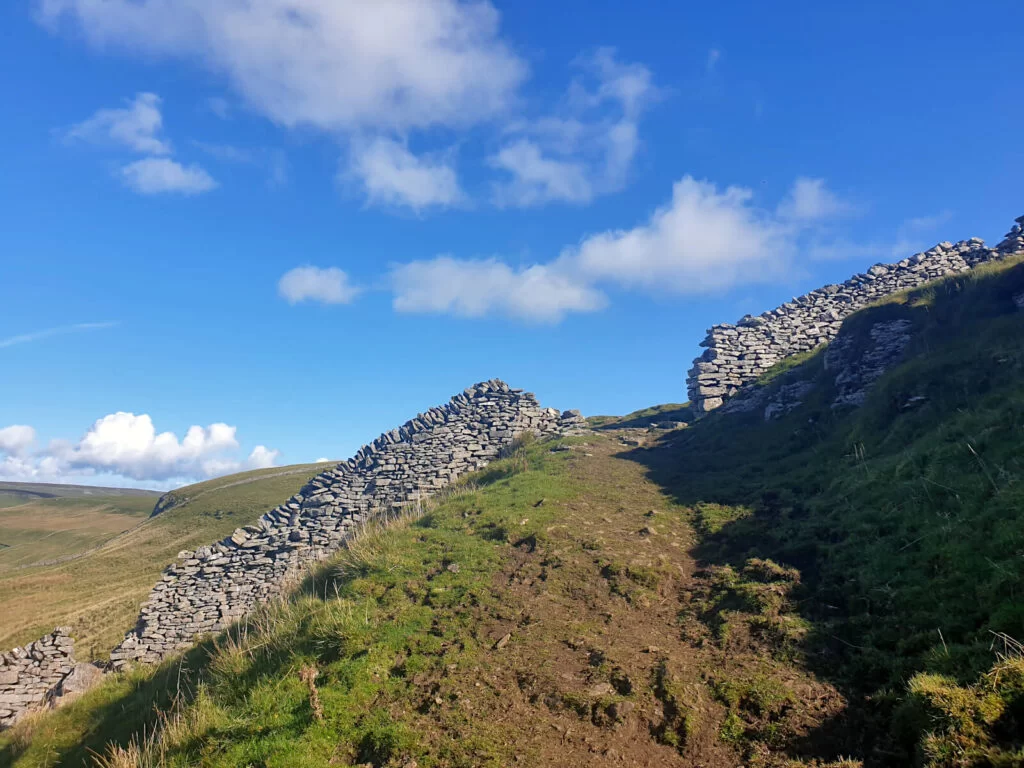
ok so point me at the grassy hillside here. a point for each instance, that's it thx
(111, 554)
(532, 617)
(40, 529)
(834, 588)
(41, 522)
(903, 518)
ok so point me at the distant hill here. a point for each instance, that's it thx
(14, 490)
(87, 557)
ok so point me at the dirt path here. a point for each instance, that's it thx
(609, 662)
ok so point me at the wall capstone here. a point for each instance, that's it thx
(208, 589)
(30, 675)
(738, 354)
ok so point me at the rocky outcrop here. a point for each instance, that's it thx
(30, 676)
(738, 354)
(208, 589)
(855, 373)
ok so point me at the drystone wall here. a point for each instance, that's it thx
(210, 588)
(738, 354)
(30, 675)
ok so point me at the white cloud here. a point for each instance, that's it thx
(158, 175)
(393, 175)
(262, 458)
(474, 288)
(328, 285)
(810, 200)
(126, 447)
(136, 126)
(332, 65)
(705, 240)
(589, 149)
(539, 179)
(16, 439)
(25, 338)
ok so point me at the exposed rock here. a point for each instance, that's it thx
(786, 399)
(856, 372)
(82, 677)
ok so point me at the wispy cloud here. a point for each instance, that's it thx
(26, 338)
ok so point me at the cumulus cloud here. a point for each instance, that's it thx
(705, 240)
(16, 439)
(328, 285)
(262, 458)
(159, 175)
(475, 288)
(539, 179)
(393, 175)
(332, 65)
(127, 446)
(589, 148)
(135, 126)
(377, 72)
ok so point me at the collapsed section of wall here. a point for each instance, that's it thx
(738, 354)
(29, 675)
(210, 588)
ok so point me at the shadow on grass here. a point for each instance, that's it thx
(113, 715)
(903, 521)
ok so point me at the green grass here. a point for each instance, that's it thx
(644, 417)
(786, 365)
(403, 611)
(99, 593)
(879, 548)
(904, 517)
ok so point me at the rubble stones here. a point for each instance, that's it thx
(210, 588)
(737, 355)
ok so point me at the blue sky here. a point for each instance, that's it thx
(564, 198)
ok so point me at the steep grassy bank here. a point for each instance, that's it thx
(903, 519)
(109, 555)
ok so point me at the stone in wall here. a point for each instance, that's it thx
(207, 590)
(738, 354)
(30, 675)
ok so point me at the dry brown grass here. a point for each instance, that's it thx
(99, 594)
